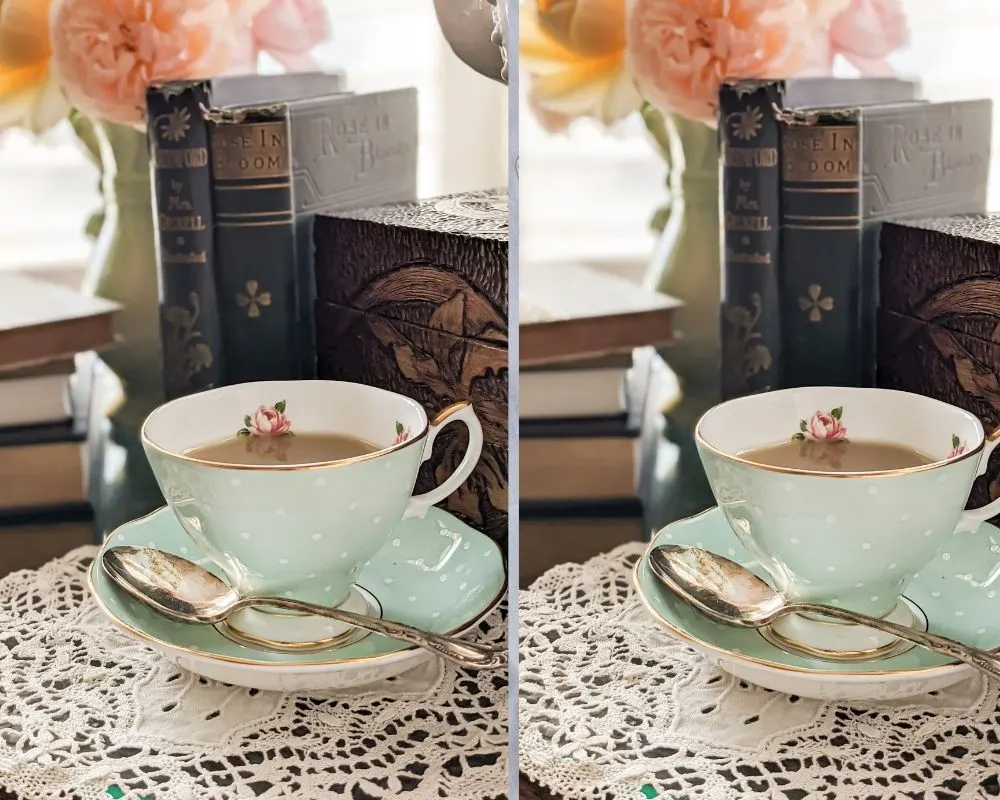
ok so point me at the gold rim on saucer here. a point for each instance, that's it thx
(729, 655)
(896, 648)
(405, 649)
(373, 608)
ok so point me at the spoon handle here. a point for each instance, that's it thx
(980, 659)
(471, 655)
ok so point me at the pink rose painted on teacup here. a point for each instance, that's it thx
(823, 426)
(402, 433)
(266, 421)
(957, 447)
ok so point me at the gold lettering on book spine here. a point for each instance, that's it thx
(820, 154)
(250, 151)
(184, 353)
(745, 353)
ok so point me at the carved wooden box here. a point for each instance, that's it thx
(413, 298)
(939, 321)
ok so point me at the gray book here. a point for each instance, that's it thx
(274, 167)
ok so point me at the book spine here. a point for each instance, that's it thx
(820, 274)
(751, 324)
(255, 248)
(181, 176)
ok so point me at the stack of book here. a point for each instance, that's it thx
(811, 169)
(590, 389)
(44, 417)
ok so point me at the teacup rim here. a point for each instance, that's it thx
(419, 437)
(887, 473)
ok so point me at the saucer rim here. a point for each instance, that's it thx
(318, 666)
(699, 644)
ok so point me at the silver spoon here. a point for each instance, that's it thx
(181, 589)
(732, 594)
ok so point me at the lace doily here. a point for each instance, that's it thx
(612, 706)
(83, 708)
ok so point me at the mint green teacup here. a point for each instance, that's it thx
(298, 530)
(853, 540)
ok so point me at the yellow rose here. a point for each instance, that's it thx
(573, 51)
(29, 97)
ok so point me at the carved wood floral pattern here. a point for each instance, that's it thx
(463, 371)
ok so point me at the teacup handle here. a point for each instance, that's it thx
(459, 412)
(972, 518)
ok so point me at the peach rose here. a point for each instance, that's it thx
(106, 52)
(287, 30)
(867, 32)
(402, 433)
(573, 51)
(29, 97)
(825, 427)
(679, 51)
(269, 421)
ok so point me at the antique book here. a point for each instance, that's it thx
(750, 139)
(42, 321)
(939, 324)
(845, 172)
(554, 533)
(37, 394)
(180, 159)
(45, 466)
(32, 539)
(274, 168)
(412, 297)
(571, 311)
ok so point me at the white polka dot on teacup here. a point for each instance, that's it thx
(244, 535)
(280, 512)
(388, 581)
(872, 490)
(344, 554)
(376, 521)
(395, 543)
(831, 569)
(282, 560)
(831, 518)
(352, 507)
(866, 546)
(793, 540)
(317, 536)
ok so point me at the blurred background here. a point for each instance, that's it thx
(592, 191)
(50, 187)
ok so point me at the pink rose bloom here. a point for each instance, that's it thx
(680, 51)
(957, 447)
(825, 427)
(106, 52)
(867, 32)
(287, 30)
(402, 433)
(268, 421)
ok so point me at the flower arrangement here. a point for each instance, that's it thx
(98, 56)
(605, 59)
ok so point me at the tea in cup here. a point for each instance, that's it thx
(292, 486)
(842, 495)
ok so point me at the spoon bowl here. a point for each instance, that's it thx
(732, 594)
(187, 592)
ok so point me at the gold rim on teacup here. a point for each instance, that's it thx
(885, 473)
(439, 419)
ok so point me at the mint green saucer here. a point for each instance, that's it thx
(436, 573)
(959, 592)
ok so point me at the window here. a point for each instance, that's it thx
(590, 193)
(50, 188)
